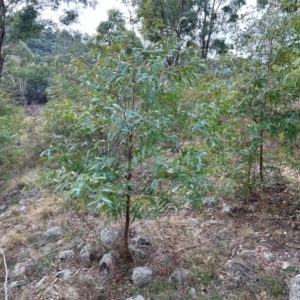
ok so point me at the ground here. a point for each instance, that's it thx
(251, 251)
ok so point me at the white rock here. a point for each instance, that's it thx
(108, 263)
(179, 276)
(227, 209)
(295, 288)
(54, 231)
(141, 275)
(66, 255)
(285, 265)
(41, 282)
(110, 236)
(138, 297)
(64, 274)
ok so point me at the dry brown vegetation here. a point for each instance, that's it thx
(262, 234)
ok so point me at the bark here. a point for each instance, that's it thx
(128, 198)
(2, 33)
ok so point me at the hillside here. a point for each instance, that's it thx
(231, 249)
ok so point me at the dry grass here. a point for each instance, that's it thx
(201, 241)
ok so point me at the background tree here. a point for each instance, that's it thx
(20, 20)
(190, 21)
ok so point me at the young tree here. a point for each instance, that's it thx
(126, 149)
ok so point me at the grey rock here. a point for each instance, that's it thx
(66, 255)
(210, 201)
(22, 208)
(30, 194)
(52, 292)
(140, 248)
(14, 193)
(71, 294)
(108, 263)
(3, 207)
(141, 241)
(16, 284)
(247, 254)
(238, 270)
(269, 256)
(285, 265)
(295, 288)
(20, 268)
(137, 254)
(227, 209)
(59, 243)
(138, 297)
(54, 231)
(193, 292)
(41, 283)
(85, 253)
(64, 274)
(141, 275)
(179, 276)
(251, 208)
(110, 236)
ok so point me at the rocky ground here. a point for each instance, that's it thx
(228, 249)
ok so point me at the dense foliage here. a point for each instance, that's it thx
(136, 127)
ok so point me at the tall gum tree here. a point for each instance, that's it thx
(198, 22)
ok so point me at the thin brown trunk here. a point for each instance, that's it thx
(128, 197)
(261, 174)
(2, 33)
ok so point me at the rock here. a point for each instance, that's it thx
(140, 248)
(141, 241)
(193, 292)
(85, 253)
(138, 297)
(52, 292)
(30, 194)
(295, 288)
(16, 284)
(110, 236)
(285, 265)
(179, 276)
(227, 209)
(64, 274)
(20, 268)
(54, 232)
(40, 200)
(71, 294)
(238, 270)
(109, 262)
(66, 255)
(14, 193)
(269, 256)
(41, 283)
(3, 207)
(22, 208)
(210, 201)
(141, 275)
(251, 208)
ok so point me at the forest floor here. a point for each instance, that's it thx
(251, 251)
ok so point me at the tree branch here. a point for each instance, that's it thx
(6, 275)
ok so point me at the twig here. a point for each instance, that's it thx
(6, 275)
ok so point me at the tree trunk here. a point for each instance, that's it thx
(2, 33)
(261, 157)
(128, 198)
